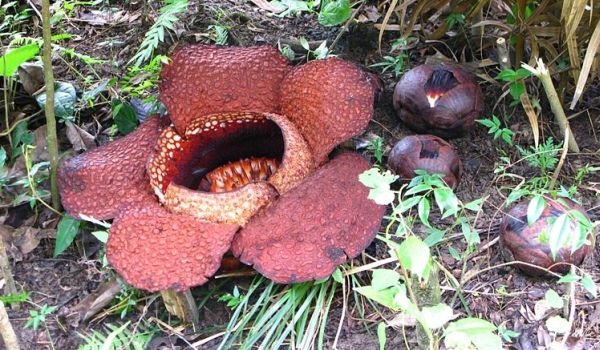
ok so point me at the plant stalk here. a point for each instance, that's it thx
(182, 305)
(10, 287)
(542, 73)
(49, 108)
(520, 40)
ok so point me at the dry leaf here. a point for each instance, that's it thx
(94, 302)
(31, 76)
(79, 138)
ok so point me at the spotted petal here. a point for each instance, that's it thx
(202, 80)
(153, 249)
(329, 101)
(97, 183)
(314, 227)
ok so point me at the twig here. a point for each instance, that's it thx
(559, 114)
(563, 156)
(344, 306)
(49, 107)
(8, 333)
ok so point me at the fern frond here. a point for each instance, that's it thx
(156, 33)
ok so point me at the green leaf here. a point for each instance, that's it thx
(559, 234)
(124, 117)
(516, 90)
(454, 253)
(522, 73)
(65, 98)
(423, 209)
(337, 275)
(474, 205)
(569, 278)
(384, 297)
(554, 300)
(102, 236)
(588, 283)
(379, 183)
(384, 278)
(10, 61)
(435, 236)
(381, 335)
(507, 75)
(413, 254)
(436, 316)
(535, 208)
(486, 122)
(557, 324)
(335, 12)
(65, 233)
(2, 157)
(470, 325)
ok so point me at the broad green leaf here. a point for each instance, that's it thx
(588, 283)
(65, 233)
(436, 316)
(517, 89)
(379, 183)
(423, 210)
(559, 234)
(10, 61)
(434, 237)
(335, 12)
(470, 325)
(124, 117)
(413, 254)
(384, 297)
(454, 253)
(487, 341)
(507, 75)
(569, 278)
(384, 278)
(65, 98)
(554, 300)
(535, 208)
(381, 335)
(522, 73)
(557, 324)
(474, 205)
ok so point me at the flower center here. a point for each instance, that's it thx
(218, 153)
(234, 175)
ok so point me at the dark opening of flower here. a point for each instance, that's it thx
(245, 165)
(425, 152)
(443, 100)
(440, 82)
(530, 243)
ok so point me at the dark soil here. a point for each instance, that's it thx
(500, 295)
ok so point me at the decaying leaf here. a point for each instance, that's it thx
(79, 138)
(31, 76)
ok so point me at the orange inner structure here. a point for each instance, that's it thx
(234, 175)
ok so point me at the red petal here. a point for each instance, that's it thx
(205, 79)
(100, 181)
(314, 227)
(329, 100)
(153, 249)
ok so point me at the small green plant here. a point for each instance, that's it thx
(293, 7)
(543, 157)
(232, 299)
(219, 34)
(515, 81)
(39, 317)
(319, 53)
(13, 16)
(156, 33)
(140, 82)
(396, 63)
(15, 298)
(455, 19)
(377, 147)
(119, 337)
(494, 126)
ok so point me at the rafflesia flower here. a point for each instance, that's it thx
(242, 164)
